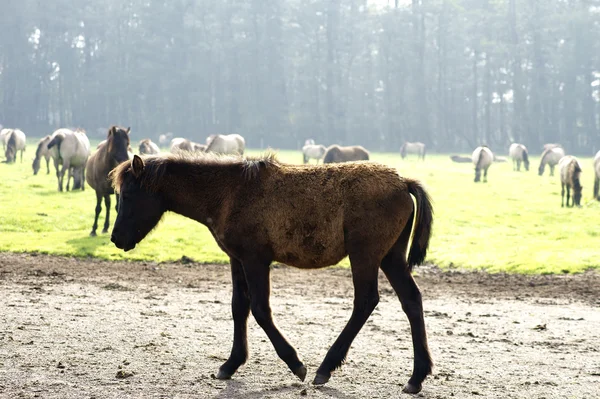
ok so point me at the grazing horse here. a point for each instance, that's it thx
(597, 176)
(74, 151)
(16, 142)
(482, 158)
(261, 211)
(570, 171)
(336, 153)
(147, 147)
(179, 144)
(518, 153)
(550, 156)
(413, 148)
(110, 153)
(227, 144)
(164, 139)
(43, 151)
(313, 151)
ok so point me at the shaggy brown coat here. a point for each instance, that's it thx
(260, 211)
(336, 154)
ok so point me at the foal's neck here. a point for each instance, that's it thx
(200, 191)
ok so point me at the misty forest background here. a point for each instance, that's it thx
(451, 73)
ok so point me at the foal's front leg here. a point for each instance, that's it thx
(240, 308)
(259, 287)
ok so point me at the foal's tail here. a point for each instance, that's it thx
(423, 223)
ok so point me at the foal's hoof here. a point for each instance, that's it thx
(300, 372)
(93, 234)
(104, 231)
(321, 379)
(223, 375)
(410, 388)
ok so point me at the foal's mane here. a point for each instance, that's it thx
(155, 166)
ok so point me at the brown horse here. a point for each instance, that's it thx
(570, 171)
(336, 153)
(109, 154)
(260, 211)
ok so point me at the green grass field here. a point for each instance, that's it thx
(513, 223)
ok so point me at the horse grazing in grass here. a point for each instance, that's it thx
(147, 147)
(260, 211)
(109, 154)
(550, 156)
(413, 148)
(336, 153)
(43, 151)
(570, 172)
(482, 158)
(597, 175)
(15, 142)
(227, 144)
(74, 151)
(313, 151)
(518, 153)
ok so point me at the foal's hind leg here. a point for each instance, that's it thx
(98, 210)
(366, 298)
(259, 287)
(397, 272)
(107, 206)
(240, 308)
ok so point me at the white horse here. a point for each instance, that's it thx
(16, 141)
(413, 148)
(518, 153)
(597, 176)
(313, 151)
(482, 158)
(148, 147)
(550, 156)
(43, 151)
(227, 144)
(163, 139)
(74, 150)
(570, 172)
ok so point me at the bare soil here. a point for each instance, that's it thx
(92, 329)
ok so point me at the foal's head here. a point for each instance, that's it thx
(140, 206)
(118, 143)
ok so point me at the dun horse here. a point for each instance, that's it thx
(74, 151)
(147, 147)
(597, 176)
(570, 171)
(518, 153)
(43, 151)
(413, 148)
(109, 154)
(15, 142)
(227, 144)
(313, 151)
(260, 211)
(336, 153)
(550, 156)
(482, 158)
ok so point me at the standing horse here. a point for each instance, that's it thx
(413, 148)
(336, 153)
(110, 153)
(227, 144)
(74, 151)
(518, 153)
(570, 171)
(597, 175)
(43, 151)
(148, 147)
(260, 211)
(550, 156)
(482, 158)
(16, 142)
(313, 151)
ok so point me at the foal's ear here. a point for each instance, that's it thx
(137, 166)
(112, 130)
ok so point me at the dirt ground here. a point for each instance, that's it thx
(92, 329)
